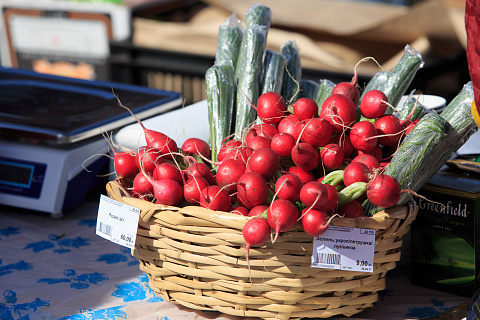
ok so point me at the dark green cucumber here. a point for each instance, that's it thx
(273, 69)
(230, 36)
(258, 14)
(324, 90)
(220, 90)
(248, 76)
(308, 89)
(293, 74)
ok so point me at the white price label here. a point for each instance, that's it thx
(117, 222)
(343, 248)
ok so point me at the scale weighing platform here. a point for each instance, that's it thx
(52, 151)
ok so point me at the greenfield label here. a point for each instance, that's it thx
(117, 222)
(344, 248)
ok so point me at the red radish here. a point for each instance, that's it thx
(200, 169)
(125, 164)
(215, 198)
(351, 209)
(150, 135)
(240, 153)
(410, 125)
(167, 170)
(263, 130)
(142, 185)
(288, 187)
(239, 210)
(252, 190)
(305, 156)
(316, 132)
(363, 136)
(304, 175)
(374, 104)
(377, 152)
(227, 147)
(383, 191)
(340, 111)
(314, 194)
(332, 199)
(348, 89)
(389, 130)
(147, 159)
(282, 216)
(259, 142)
(271, 107)
(343, 140)
(282, 144)
(332, 156)
(228, 173)
(258, 210)
(195, 146)
(264, 161)
(255, 232)
(384, 164)
(314, 221)
(192, 189)
(370, 161)
(289, 124)
(305, 109)
(356, 172)
(165, 145)
(167, 191)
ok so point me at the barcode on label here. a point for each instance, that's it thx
(329, 258)
(105, 228)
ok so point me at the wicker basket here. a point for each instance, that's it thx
(196, 257)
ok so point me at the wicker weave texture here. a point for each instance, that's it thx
(195, 257)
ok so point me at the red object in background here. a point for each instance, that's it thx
(472, 27)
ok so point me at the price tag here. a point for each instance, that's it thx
(344, 248)
(117, 222)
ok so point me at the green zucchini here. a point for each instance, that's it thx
(413, 155)
(220, 91)
(230, 36)
(273, 69)
(411, 109)
(458, 114)
(293, 74)
(248, 76)
(402, 75)
(431, 143)
(324, 90)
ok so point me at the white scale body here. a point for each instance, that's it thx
(51, 148)
(40, 176)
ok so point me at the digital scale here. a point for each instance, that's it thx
(52, 151)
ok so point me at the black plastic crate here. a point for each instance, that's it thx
(185, 73)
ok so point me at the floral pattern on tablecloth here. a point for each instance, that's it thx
(60, 269)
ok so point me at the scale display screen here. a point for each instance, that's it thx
(16, 174)
(22, 178)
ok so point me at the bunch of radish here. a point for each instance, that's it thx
(299, 165)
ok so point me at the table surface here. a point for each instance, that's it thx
(60, 269)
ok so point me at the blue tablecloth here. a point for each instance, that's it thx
(60, 269)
